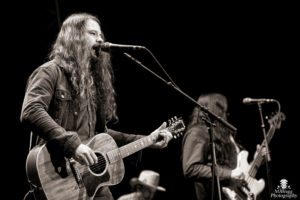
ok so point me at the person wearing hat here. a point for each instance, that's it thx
(145, 186)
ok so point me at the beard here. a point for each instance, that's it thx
(96, 77)
(98, 60)
(96, 51)
(101, 71)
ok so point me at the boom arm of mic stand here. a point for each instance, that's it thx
(184, 94)
(161, 66)
(209, 124)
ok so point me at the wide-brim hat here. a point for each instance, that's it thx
(148, 178)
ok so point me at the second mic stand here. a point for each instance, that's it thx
(267, 156)
(211, 116)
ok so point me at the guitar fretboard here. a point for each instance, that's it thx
(259, 158)
(129, 149)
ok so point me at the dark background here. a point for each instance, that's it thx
(243, 50)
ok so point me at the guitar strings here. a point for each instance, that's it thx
(96, 167)
(100, 165)
(250, 181)
(259, 158)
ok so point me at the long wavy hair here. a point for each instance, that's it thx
(217, 104)
(91, 79)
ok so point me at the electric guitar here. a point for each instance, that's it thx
(72, 180)
(249, 188)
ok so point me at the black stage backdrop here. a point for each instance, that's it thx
(238, 50)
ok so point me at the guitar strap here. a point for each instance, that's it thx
(30, 141)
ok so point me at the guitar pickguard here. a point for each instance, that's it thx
(92, 182)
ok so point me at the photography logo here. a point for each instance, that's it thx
(283, 191)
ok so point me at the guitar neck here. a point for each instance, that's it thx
(259, 158)
(175, 128)
(130, 148)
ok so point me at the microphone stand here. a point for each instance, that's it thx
(208, 122)
(267, 156)
(228, 125)
(215, 177)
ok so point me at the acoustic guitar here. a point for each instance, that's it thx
(72, 180)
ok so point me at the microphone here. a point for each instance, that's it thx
(106, 46)
(252, 101)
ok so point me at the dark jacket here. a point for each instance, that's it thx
(197, 162)
(54, 115)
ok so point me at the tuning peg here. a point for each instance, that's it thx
(267, 117)
(174, 119)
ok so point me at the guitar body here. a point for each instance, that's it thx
(247, 189)
(73, 180)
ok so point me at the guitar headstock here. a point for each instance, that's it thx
(276, 120)
(176, 126)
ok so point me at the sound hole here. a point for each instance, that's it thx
(100, 166)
